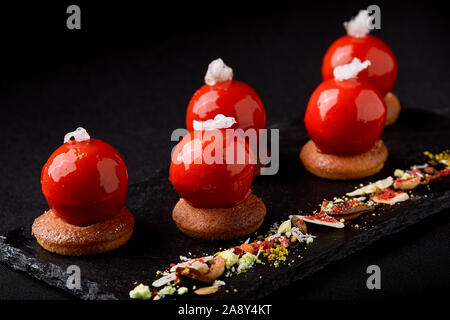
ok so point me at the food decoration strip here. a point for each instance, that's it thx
(209, 272)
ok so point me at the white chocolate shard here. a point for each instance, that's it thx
(164, 280)
(371, 188)
(358, 26)
(219, 122)
(218, 283)
(350, 70)
(217, 72)
(80, 134)
(336, 224)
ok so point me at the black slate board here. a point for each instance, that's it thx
(157, 242)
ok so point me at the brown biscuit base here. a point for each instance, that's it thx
(58, 236)
(393, 108)
(336, 167)
(220, 223)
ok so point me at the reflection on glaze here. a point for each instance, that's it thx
(62, 165)
(206, 104)
(192, 152)
(327, 100)
(108, 176)
(380, 69)
(342, 55)
(368, 107)
(247, 110)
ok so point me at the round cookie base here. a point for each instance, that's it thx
(336, 167)
(58, 236)
(220, 223)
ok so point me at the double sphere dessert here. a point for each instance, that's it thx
(348, 111)
(213, 166)
(344, 119)
(358, 43)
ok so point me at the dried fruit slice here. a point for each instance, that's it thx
(407, 184)
(371, 188)
(190, 262)
(198, 272)
(429, 170)
(323, 219)
(390, 197)
(351, 208)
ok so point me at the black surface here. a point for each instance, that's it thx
(128, 75)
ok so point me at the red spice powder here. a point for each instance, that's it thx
(387, 194)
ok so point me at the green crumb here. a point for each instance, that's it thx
(246, 261)
(167, 290)
(182, 290)
(141, 292)
(230, 258)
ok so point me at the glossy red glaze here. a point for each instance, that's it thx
(345, 117)
(85, 182)
(204, 182)
(232, 99)
(383, 69)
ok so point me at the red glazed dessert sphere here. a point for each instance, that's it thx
(383, 69)
(345, 117)
(85, 182)
(205, 183)
(230, 98)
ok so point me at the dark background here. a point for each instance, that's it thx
(127, 77)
